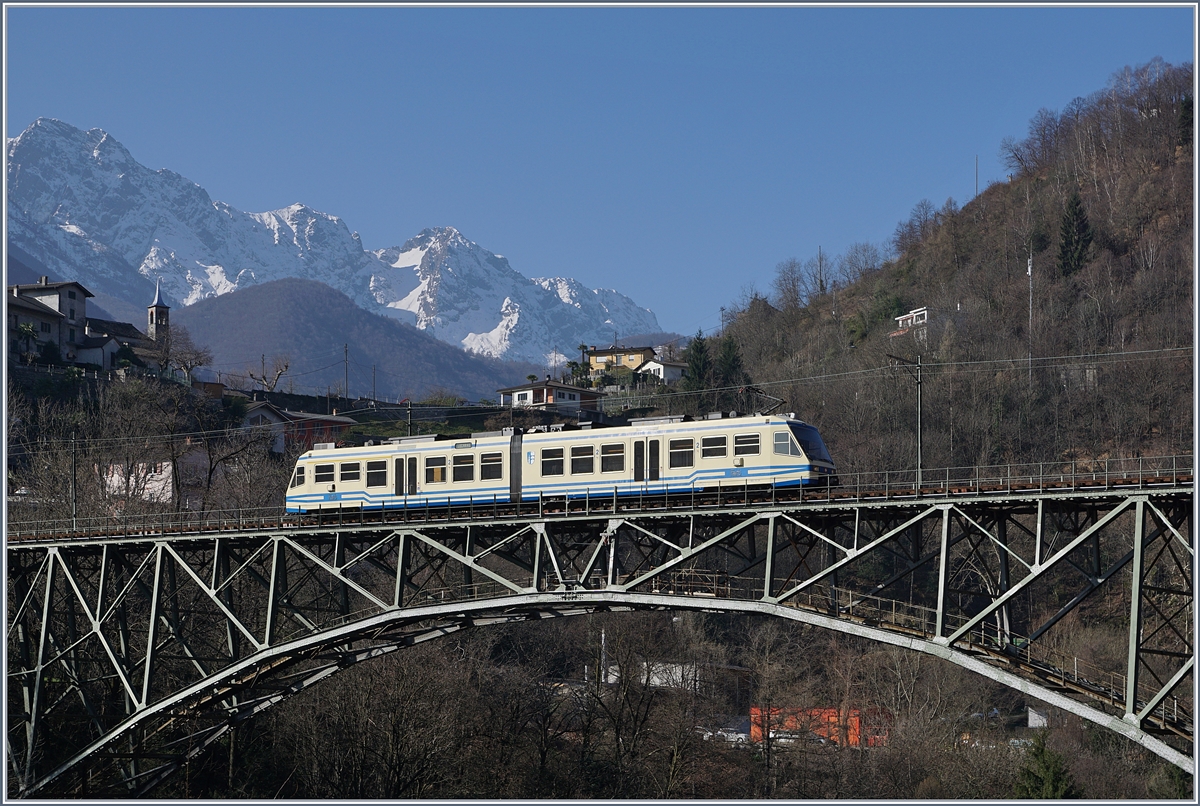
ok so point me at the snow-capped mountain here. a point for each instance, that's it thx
(86, 209)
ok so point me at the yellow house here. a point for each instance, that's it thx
(609, 359)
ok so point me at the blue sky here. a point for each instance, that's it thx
(675, 154)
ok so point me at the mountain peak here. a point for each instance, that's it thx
(82, 205)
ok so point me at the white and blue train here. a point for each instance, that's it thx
(648, 456)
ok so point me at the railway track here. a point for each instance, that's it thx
(724, 498)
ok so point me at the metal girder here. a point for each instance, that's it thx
(129, 656)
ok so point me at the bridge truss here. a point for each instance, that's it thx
(130, 654)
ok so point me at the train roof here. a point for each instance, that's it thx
(635, 423)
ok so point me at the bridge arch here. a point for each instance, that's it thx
(243, 611)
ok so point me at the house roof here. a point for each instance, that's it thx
(550, 385)
(267, 407)
(42, 286)
(606, 350)
(32, 305)
(89, 342)
(332, 419)
(119, 330)
(660, 362)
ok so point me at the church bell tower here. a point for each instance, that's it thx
(158, 316)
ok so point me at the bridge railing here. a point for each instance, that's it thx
(1143, 472)
(1106, 473)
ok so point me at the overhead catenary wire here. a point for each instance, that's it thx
(976, 366)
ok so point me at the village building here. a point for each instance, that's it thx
(914, 323)
(550, 395)
(668, 372)
(610, 359)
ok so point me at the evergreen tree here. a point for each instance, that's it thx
(698, 372)
(728, 372)
(1075, 237)
(1045, 775)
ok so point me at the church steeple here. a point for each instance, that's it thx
(158, 318)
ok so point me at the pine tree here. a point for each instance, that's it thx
(728, 372)
(699, 364)
(1045, 775)
(1075, 237)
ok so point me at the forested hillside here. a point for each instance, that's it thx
(1100, 197)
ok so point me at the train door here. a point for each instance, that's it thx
(406, 483)
(645, 460)
(515, 460)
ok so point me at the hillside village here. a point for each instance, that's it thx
(50, 332)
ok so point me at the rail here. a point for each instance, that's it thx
(1135, 473)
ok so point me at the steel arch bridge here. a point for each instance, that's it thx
(133, 651)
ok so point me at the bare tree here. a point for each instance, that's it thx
(174, 349)
(268, 379)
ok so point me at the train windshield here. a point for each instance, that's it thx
(811, 442)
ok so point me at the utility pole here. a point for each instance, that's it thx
(74, 496)
(917, 375)
(346, 359)
(372, 383)
(1029, 271)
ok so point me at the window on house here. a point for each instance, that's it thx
(72, 316)
(713, 447)
(583, 459)
(522, 397)
(464, 467)
(323, 473)
(491, 466)
(612, 458)
(539, 395)
(435, 469)
(572, 396)
(745, 445)
(552, 461)
(298, 478)
(71, 334)
(45, 327)
(682, 452)
(70, 295)
(377, 473)
(350, 471)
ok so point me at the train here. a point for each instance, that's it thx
(650, 455)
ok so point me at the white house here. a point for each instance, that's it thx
(665, 371)
(550, 394)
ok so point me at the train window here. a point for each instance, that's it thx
(350, 471)
(682, 452)
(745, 445)
(785, 445)
(322, 473)
(812, 443)
(583, 459)
(713, 447)
(377, 473)
(491, 466)
(552, 461)
(612, 458)
(435, 469)
(298, 479)
(464, 467)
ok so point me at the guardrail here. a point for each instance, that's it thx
(1108, 474)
